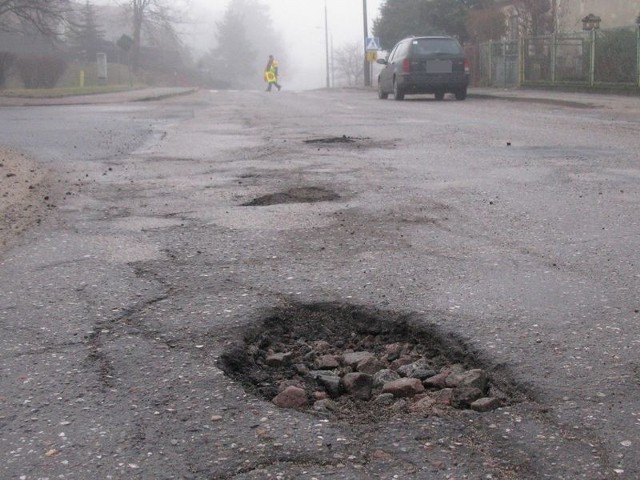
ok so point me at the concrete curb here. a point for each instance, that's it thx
(141, 95)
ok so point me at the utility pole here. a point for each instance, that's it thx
(326, 43)
(367, 72)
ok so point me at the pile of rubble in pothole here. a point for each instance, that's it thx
(351, 375)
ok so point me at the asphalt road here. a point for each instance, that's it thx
(510, 224)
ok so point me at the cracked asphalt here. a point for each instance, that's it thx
(510, 225)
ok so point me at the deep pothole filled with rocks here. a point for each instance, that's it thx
(362, 365)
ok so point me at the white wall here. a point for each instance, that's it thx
(614, 13)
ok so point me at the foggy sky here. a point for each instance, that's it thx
(301, 24)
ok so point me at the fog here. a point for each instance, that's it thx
(302, 26)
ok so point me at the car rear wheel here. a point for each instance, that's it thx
(382, 95)
(398, 94)
(439, 95)
(461, 94)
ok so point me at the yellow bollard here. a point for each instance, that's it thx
(81, 78)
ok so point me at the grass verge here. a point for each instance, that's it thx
(66, 91)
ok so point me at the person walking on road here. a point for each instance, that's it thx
(271, 74)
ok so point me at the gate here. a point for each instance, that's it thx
(499, 64)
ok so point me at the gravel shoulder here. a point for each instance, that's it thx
(25, 189)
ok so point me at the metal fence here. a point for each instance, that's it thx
(498, 63)
(590, 59)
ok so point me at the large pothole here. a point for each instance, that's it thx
(362, 365)
(294, 195)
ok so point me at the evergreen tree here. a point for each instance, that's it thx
(402, 18)
(245, 37)
(87, 37)
(234, 58)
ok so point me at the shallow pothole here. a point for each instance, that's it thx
(362, 365)
(294, 195)
(329, 140)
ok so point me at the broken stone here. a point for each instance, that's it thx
(326, 362)
(369, 341)
(404, 360)
(329, 381)
(437, 381)
(384, 399)
(394, 348)
(320, 395)
(443, 397)
(399, 405)
(345, 362)
(476, 378)
(352, 359)
(370, 365)
(423, 405)
(325, 405)
(419, 369)
(278, 359)
(321, 346)
(404, 387)
(384, 376)
(358, 384)
(455, 368)
(463, 397)
(486, 404)
(291, 397)
(289, 382)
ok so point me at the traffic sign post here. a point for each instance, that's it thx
(373, 43)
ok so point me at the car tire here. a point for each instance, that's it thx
(461, 94)
(439, 95)
(398, 94)
(382, 95)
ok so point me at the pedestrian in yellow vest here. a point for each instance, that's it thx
(271, 74)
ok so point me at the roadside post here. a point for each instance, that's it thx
(103, 76)
(638, 50)
(591, 24)
(372, 47)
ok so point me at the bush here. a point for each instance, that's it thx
(7, 60)
(40, 71)
(616, 56)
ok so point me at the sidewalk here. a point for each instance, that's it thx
(554, 97)
(140, 95)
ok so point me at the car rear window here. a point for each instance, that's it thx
(430, 46)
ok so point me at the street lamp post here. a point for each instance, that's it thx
(326, 42)
(367, 72)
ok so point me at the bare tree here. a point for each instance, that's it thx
(348, 62)
(536, 16)
(45, 16)
(149, 13)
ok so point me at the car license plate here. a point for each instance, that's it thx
(439, 66)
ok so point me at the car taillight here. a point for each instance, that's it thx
(466, 66)
(406, 66)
